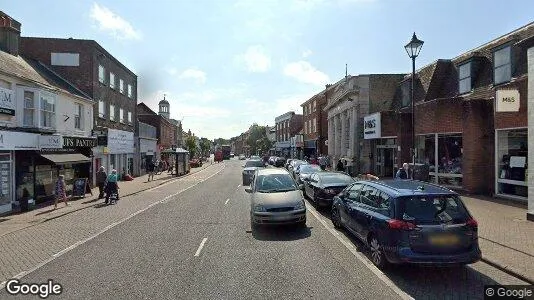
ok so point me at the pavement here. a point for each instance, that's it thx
(191, 238)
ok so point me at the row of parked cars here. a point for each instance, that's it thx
(401, 221)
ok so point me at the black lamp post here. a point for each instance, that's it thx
(413, 48)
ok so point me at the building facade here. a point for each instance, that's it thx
(287, 125)
(165, 130)
(315, 128)
(148, 145)
(106, 80)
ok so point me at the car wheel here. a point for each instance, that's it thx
(302, 224)
(377, 253)
(336, 219)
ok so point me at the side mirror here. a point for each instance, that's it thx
(242, 166)
(248, 190)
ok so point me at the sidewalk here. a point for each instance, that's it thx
(45, 211)
(506, 237)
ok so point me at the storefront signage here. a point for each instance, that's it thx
(120, 142)
(79, 142)
(371, 127)
(7, 102)
(12, 140)
(147, 145)
(507, 100)
(50, 141)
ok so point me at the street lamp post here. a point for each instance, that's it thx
(413, 48)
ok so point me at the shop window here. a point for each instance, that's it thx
(450, 154)
(112, 112)
(29, 109)
(121, 86)
(78, 116)
(101, 109)
(48, 111)
(101, 74)
(426, 154)
(111, 80)
(512, 153)
(502, 65)
(464, 78)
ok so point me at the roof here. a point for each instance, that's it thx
(411, 187)
(38, 73)
(164, 102)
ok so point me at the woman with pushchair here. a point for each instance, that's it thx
(112, 187)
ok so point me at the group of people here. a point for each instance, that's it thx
(107, 184)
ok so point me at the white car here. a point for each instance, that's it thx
(241, 156)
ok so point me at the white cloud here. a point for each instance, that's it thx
(113, 23)
(304, 72)
(306, 53)
(255, 59)
(195, 74)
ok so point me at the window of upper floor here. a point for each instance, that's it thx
(112, 112)
(112, 80)
(464, 78)
(121, 86)
(101, 74)
(78, 116)
(101, 109)
(130, 94)
(314, 105)
(405, 94)
(39, 109)
(502, 64)
(130, 117)
(122, 116)
(47, 110)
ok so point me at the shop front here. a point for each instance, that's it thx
(310, 148)
(511, 164)
(147, 150)
(11, 145)
(383, 149)
(443, 152)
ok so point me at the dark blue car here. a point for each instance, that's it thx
(405, 221)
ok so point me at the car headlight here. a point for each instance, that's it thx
(259, 208)
(300, 206)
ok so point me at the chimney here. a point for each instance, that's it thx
(9, 34)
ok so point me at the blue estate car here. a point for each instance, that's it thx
(405, 221)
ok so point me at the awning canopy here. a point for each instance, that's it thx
(66, 158)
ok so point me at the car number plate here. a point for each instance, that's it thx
(444, 240)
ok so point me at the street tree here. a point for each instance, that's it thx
(191, 145)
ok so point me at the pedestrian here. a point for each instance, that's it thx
(403, 172)
(340, 166)
(101, 176)
(112, 185)
(150, 168)
(61, 191)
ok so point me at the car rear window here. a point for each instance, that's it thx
(337, 179)
(275, 183)
(432, 209)
(254, 163)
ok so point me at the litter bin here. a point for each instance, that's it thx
(421, 171)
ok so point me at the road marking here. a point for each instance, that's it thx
(360, 257)
(238, 185)
(226, 201)
(201, 246)
(73, 246)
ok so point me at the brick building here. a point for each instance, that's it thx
(111, 85)
(287, 126)
(470, 118)
(165, 129)
(315, 128)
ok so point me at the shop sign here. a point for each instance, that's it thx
(79, 142)
(120, 142)
(50, 141)
(146, 145)
(507, 101)
(12, 140)
(7, 102)
(371, 127)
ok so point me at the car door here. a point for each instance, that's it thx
(363, 213)
(308, 185)
(349, 201)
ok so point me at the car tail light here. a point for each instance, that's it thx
(471, 222)
(398, 224)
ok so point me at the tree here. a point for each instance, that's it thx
(205, 145)
(191, 145)
(256, 137)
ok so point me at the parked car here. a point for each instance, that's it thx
(241, 156)
(296, 168)
(255, 157)
(195, 163)
(249, 168)
(275, 199)
(322, 187)
(232, 155)
(288, 162)
(406, 221)
(305, 171)
(271, 160)
(279, 162)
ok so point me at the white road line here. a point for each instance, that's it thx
(201, 246)
(226, 201)
(360, 257)
(69, 248)
(238, 185)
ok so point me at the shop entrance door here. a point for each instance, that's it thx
(385, 161)
(5, 186)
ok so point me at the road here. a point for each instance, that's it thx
(194, 241)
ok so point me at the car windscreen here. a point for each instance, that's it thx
(254, 163)
(336, 179)
(308, 169)
(275, 183)
(426, 210)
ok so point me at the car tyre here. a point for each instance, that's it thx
(336, 219)
(377, 253)
(302, 224)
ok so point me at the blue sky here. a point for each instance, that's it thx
(225, 64)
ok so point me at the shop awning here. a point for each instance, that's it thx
(66, 158)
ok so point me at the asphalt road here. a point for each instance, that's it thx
(198, 244)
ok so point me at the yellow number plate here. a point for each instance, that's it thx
(444, 240)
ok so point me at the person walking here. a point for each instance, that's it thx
(403, 172)
(61, 191)
(340, 167)
(150, 168)
(112, 185)
(101, 176)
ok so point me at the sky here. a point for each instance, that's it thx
(225, 64)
